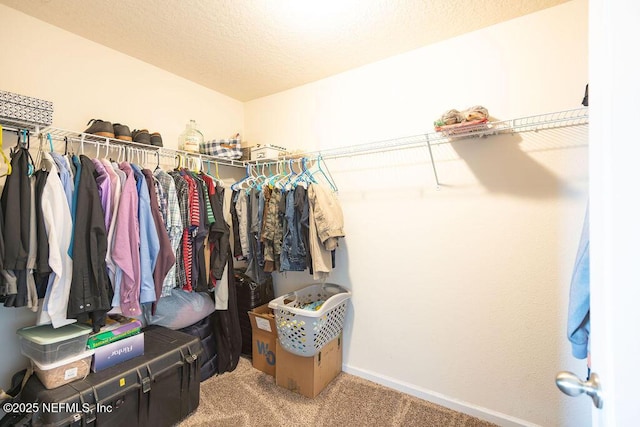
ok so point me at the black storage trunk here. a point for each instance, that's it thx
(159, 388)
(250, 296)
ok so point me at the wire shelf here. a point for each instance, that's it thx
(132, 147)
(559, 119)
(14, 125)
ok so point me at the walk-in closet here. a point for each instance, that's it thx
(398, 213)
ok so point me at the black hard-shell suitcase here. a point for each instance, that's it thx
(159, 388)
(209, 358)
(250, 295)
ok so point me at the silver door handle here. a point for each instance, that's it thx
(571, 385)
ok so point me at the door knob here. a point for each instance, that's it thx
(571, 385)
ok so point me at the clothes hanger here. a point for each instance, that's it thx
(305, 176)
(50, 140)
(217, 177)
(259, 180)
(197, 164)
(287, 185)
(280, 169)
(286, 176)
(25, 143)
(326, 175)
(106, 148)
(5, 159)
(157, 159)
(238, 184)
(327, 178)
(180, 160)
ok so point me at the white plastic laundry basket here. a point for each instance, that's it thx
(304, 332)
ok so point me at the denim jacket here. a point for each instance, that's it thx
(293, 256)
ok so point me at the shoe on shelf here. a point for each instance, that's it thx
(141, 136)
(122, 132)
(100, 127)
(156, 139)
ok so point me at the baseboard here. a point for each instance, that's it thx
(440, 399)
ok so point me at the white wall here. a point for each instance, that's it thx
(459, 294)
(86, 80)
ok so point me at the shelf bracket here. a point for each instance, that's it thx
(433, 163)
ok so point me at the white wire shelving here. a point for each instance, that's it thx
(554, 120)
(128, 149)
(534, 123)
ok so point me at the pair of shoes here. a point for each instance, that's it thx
(143, 136)
(100, 127)
(122, 132)
(108, 130)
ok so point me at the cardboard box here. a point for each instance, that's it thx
(118, 352)
(309, 375)
(264, 337)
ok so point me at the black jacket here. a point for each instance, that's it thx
(226, 325)
(16, 207)
(91, 291)
(219, 236)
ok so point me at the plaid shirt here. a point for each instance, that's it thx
(173, 223)
(182, 190)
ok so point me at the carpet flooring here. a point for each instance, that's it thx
(248, 397)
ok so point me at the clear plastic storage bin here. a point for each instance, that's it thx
(309, 318)
(64, 371)
(45, 344)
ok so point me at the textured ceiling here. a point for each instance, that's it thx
(247, 49)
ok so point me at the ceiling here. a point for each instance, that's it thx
(247, 49)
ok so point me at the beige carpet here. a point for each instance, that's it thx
(248, 397)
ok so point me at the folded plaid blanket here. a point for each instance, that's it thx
(225, 148)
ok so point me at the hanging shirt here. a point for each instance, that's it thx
(103, 180)
(32, 293)
(149, 241)
(126, 245)
(578, 325)
(74, 202)
(173, 225)
(43, 270)
(66, 179)
(182, 190)
(166, 257)
(191, 231)
(243, 221)
(219, 234)
(320, 256)
(58, 224)
(237, 247)
(115, 273)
